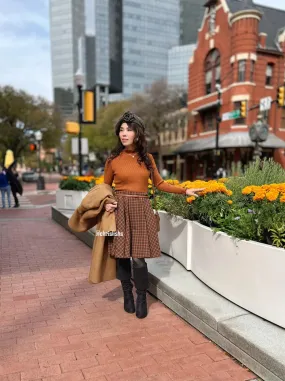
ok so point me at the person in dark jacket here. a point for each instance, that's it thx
(5, 188)
(15, 184)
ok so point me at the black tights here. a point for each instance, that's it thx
(140, 271)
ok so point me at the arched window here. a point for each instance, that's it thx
(212, 71)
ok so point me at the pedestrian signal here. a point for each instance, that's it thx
(243, 109)
(32, 147)
(72, 128)
(281, 96)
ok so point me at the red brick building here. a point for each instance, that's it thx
(241, 47)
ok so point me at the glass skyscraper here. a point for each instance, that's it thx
(191, 16)
(67, 29)
(150, 28)
(178, 64)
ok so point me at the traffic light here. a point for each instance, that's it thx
(72, 128)
(89, 107)
(243, 109)
(281, 96)
(32, 147)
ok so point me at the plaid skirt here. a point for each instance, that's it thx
(136, 222)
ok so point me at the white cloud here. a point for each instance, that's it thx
(24, 45)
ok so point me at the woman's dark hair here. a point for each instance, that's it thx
(137, 125)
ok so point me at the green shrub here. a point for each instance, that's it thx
(72, 184)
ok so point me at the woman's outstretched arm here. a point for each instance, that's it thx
(162, 185)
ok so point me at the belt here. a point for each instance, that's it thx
(131, 195)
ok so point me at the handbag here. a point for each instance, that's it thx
(156, 214)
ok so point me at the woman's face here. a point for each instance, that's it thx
(127, 135)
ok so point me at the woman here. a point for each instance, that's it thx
(129, 168)
(5, 188)
(15, 184)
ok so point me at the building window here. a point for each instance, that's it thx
(176, 134)
(239, 120)
(195, 126)
(232, 72)
(252, 66)
(183, 133)
(269, 75)
(209, 120)
(212, 71)
(266, 116)
(241, 70)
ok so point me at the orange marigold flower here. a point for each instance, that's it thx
(230, 202)
(272, 195)
(190, 199)
(260, 195)
(247, 190)
(282, 198)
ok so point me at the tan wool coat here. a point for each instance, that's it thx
(90, 213)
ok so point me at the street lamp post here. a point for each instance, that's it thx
(40, 180)
(79, 80)
(218, 121)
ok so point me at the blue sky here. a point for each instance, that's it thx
(25, 48)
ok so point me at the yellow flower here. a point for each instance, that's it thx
(190, 199)
(247, 190)
(230, 202)
(282, 198)
(151, 192)
(272, 195)
(259, 195)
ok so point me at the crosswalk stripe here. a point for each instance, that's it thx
(23, 201)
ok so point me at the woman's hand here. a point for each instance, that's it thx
(194, 191)
(110, 207)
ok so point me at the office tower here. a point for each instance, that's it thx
(178, 62)
(150, 28)
(191, 16)
(67, 28)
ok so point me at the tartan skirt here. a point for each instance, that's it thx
(136, 222)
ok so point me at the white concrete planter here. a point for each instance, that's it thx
(175, 238)
(67, 199)
(247, 273)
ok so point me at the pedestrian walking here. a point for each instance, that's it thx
(15, 184)
(129, 166)
(5, 188)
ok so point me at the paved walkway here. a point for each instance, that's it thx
(54, 325)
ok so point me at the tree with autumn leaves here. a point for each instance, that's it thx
(21, 114)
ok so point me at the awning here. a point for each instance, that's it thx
(207, 106)
(230, 140)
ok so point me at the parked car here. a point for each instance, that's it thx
(30, 177)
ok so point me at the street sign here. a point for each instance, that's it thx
(84, 146)
(231, 115)
(265, 104)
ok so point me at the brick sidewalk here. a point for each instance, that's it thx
(54, 325)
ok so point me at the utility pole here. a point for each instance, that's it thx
(218, 121)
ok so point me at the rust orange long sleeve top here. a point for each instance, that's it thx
(128, 174)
